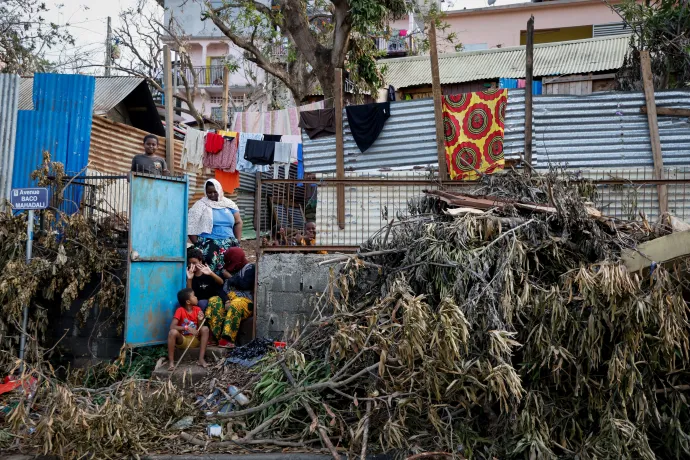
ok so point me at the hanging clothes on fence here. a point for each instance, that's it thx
(260, 153)
(214, 143)
(318, 123)
(284, 121)
(193, 150)
(294, 141)
(245, 165)
(282, 158)
(272, 137)
(473, 125)
(300, 163)
(226, 159)
(367, 121)
(230, 181)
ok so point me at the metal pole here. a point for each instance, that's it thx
(108, 50)
(25, 319)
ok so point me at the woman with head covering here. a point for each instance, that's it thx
(214, 225)
(224, 320)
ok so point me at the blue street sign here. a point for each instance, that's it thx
(29, 198)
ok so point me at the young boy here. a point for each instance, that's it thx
(184, 328)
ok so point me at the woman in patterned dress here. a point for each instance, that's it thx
(214, 225)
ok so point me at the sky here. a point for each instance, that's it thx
(86, 21)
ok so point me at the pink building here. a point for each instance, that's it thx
(503, 26)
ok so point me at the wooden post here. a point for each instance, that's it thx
(169, 126)
(438, 103)
(226, 96)
(339, 147)
(258, 202)
(647, 79)
(529, 70)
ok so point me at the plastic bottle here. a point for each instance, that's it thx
(239, 397)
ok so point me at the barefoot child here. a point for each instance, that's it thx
(184, 328)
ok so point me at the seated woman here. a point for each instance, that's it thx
(224, 319)
(214, 225)
(202, 280)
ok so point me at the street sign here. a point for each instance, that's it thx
(29, 198)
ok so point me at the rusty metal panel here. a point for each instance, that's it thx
(157, 257)
(113, 145)
(9, 93)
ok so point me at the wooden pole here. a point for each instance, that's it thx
(438, 103)
(169, 126)
(648, 81)
(339, 147)
(226, 96)
(258, 203)
(529, 70)
(108, 50)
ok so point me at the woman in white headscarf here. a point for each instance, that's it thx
(214, 225)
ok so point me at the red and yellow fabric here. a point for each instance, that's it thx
(473, 129)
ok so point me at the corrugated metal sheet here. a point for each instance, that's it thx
(9, 93)
(72, 95)
(607, 130)
(38, 132)
(109, 92)
(408, 139)
(562, 58)
(113, 145)
(245, 201)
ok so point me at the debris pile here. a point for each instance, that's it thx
(494, 331)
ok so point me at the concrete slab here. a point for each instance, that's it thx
(212, 353)
(186, 374)
(659, 250)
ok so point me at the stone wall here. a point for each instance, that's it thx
(287, 286)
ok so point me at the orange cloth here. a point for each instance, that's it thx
(229, 181)
(473, 127)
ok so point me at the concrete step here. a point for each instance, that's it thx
(186, 374)
(212, 354)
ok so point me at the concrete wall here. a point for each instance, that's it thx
(287, 286)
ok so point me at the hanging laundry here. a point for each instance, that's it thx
(282, 158)
(318, 123)
(260, 153)
(294, 141)
(193, 149)
(284, 121)
(473, 125)
(214, 143)
(242, 164)
(391, 93)
(228, 180)
(366, 122)
(226, 159)
(300, 163)
(272, 137)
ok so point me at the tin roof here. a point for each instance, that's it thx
(560, 58)
(110, 91)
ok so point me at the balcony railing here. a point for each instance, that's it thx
(203, 76)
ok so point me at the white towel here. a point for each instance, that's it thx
(281, 157)
(294, 141)
(193, 150)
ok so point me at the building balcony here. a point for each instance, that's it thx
(204, 76)
(395, 46)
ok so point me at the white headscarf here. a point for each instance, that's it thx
(200, 219)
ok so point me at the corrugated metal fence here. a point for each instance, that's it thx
(9, 94)
(600, 130)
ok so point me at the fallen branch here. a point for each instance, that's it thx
(346, 257)
(249, 442)
(314, 418)
(365, 436)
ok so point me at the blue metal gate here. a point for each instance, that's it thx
(157, 256)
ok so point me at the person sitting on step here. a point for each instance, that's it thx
(185, 331)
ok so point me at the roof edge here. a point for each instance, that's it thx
(524, 6)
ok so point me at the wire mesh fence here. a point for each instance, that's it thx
(96, 196)
(302, 215)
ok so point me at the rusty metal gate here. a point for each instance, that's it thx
(157, 256)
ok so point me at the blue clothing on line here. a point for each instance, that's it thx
(223, 224)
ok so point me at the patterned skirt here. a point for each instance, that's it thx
(214, 250)
(224, 320)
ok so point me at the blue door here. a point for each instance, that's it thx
(157, 256)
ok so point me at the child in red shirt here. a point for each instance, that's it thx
(184, 328)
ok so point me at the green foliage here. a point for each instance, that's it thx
(663, 28)
(25, 36)
(136, 363)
